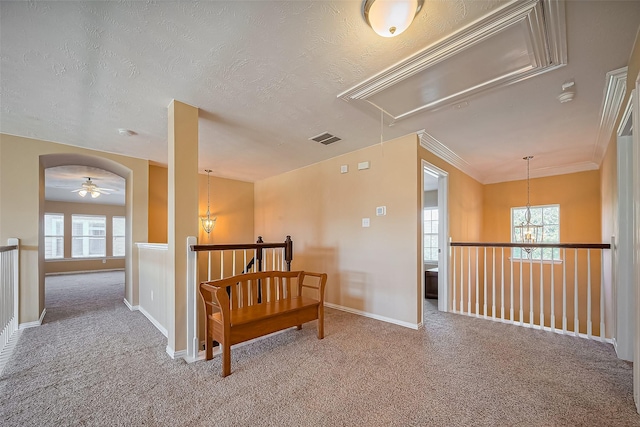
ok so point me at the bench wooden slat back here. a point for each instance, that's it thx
(255, 288)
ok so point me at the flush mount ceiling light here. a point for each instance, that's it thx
(389, 18)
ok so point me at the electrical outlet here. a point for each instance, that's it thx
(366, 222)
(104, 260)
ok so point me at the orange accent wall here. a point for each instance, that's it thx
(158, 191)
(578, 195)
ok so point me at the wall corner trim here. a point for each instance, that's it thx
(176, 354)
(33, 324)
(131, 307)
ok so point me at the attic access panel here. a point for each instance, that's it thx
(521, 40)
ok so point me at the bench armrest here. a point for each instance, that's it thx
(215, 297)
(319, 285)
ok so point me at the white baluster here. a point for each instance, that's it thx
(531, 320)
(502, 285)
(273, 259)
(233, 263)
(602, 330)
(589, 326)
(222, 264)
(511, 309)
(461, 279)
(541, 292)
(484, 308)
(244, 261)
(576, 322)
(493, 286)
(469, 283)
(477, 285)
(453, 269)
(521, 290)
(564, 291)
(553, 291)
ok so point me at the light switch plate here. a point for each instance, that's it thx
(381, 210)
(344, 168)
(364, 165)
(366, 222)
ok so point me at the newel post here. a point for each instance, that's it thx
(259, 253)
(288, 252)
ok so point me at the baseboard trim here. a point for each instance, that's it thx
(155, 323)
(176, 354)
(131, 307)
(62, 273)
(415, 326)
(34, 324)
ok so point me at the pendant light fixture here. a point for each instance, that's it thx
(527, 232)
(208, 223)
(389, 18)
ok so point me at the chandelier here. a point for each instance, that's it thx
(208, 223)
(527, 232)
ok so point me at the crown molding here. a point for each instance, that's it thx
(437, 148)
(614, 92)
(545, 32)
(543, 172)
(626, 123)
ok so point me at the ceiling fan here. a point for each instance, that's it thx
(89, 187)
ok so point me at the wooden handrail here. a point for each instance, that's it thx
(8, 248)
(240, 246)
(535, 245)
(287, 245)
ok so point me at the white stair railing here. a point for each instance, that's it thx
(486, 279)
(9, 276)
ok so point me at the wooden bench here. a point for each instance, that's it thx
(248, 306)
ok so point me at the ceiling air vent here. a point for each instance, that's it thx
(325, 138)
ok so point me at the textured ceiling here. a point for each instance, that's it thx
(266, 76)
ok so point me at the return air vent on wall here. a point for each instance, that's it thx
(325, 138)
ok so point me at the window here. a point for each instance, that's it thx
(53, 236)
(431, 234)
(549, 217)
(88, 236)
(118, 235)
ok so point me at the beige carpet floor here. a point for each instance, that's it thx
(95, 363)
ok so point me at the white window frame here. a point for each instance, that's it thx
(48, 236)
(115, 236)
(548, 254)
(87, 237)
(427, 235)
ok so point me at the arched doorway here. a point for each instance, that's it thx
(66, 159)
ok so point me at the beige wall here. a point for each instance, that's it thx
(22, 162)
(69, 264)
(371, 270)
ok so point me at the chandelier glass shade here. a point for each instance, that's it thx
(207, 222)
(390, 18)
(527, 232)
